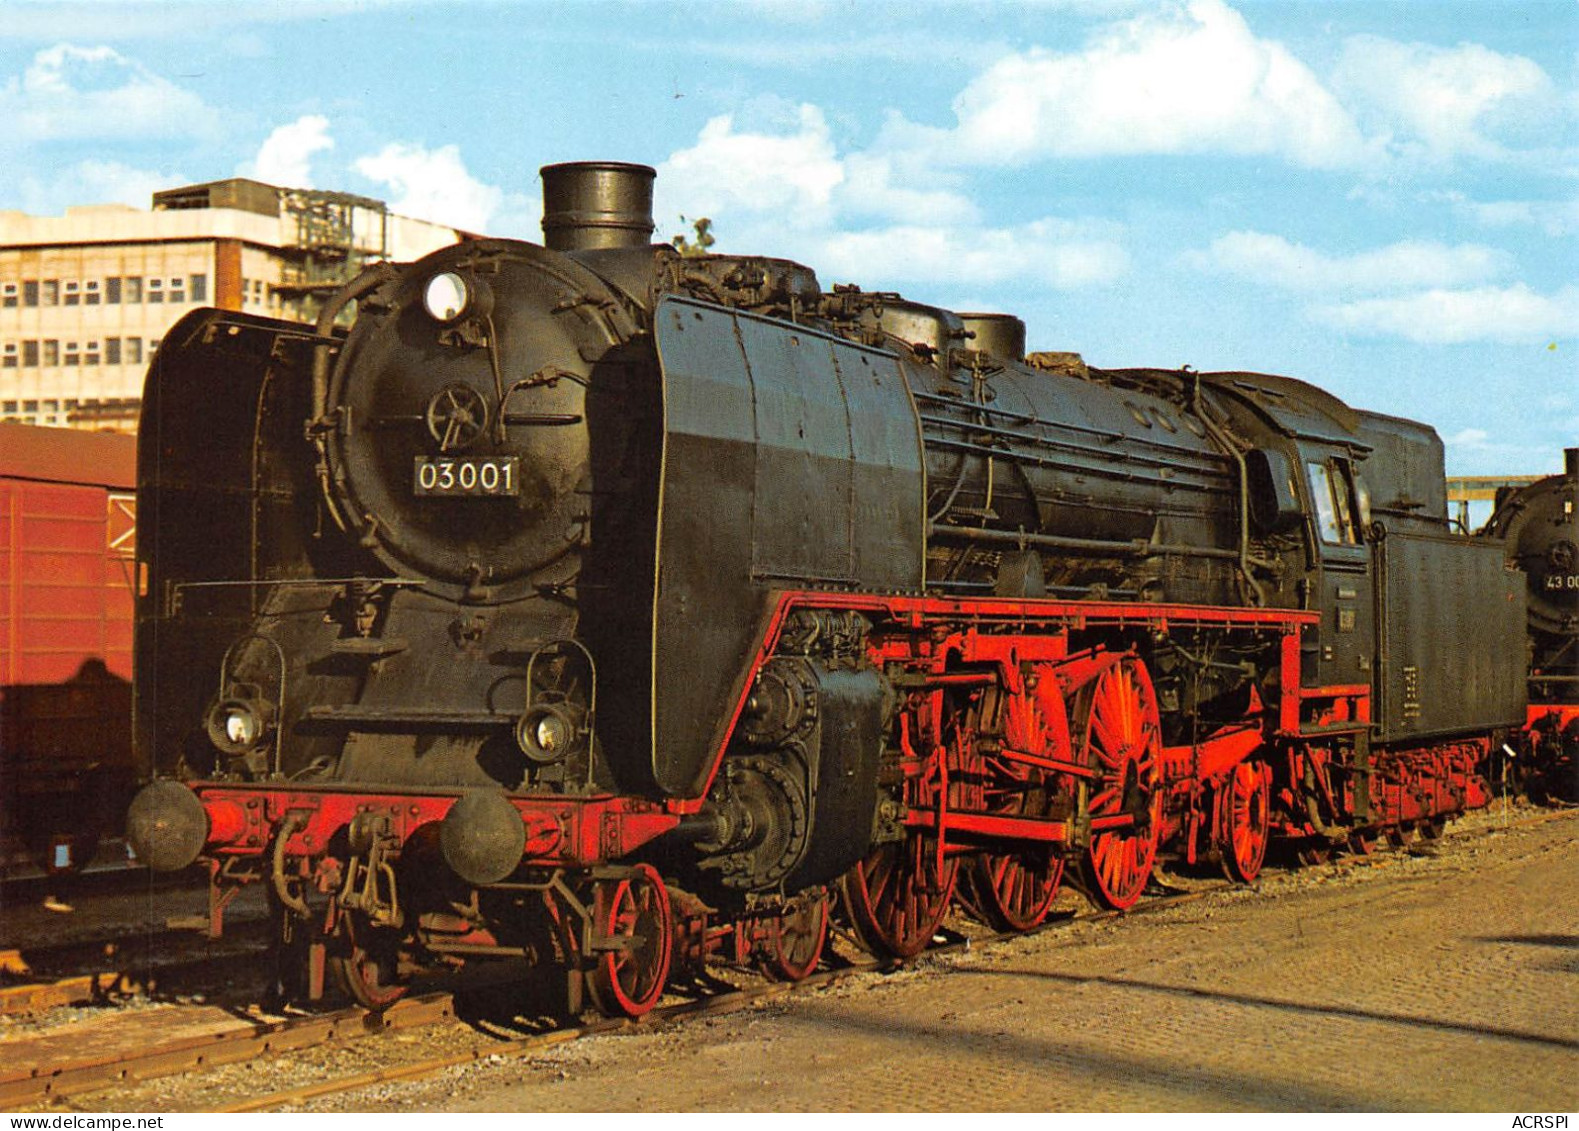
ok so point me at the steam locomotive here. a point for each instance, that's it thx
(1539, 524)
(609, 608)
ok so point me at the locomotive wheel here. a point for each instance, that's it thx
(1247, 820)
(1123, 744)
(1432, 828)
(792, 943)
(898, 895)
(367, 966)
(1015, 890)
(1362, 843)
(635, 914)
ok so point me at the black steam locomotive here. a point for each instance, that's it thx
(1540, 525)
(606, 607)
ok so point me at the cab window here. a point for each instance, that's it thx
(1333, 498)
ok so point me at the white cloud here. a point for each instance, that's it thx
(1554, 217)
(1274, 261)
(1061, 255)
(793, 173)
(884, 185)
(285, 158)
(434, 185)
(92, 182)
(1185, 78)
(788, 191)
(72, 93)
(1513, 315)
(1439, 102)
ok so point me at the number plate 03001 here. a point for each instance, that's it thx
(466, 476)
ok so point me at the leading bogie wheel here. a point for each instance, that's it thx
(792, 942)
(1123, 745)
(634, 928)
(366, 963)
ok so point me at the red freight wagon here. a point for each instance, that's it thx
(67, 525)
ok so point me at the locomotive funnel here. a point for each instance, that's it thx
(592, 205)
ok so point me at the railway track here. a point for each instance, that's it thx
(95, 970)
(182, 1050)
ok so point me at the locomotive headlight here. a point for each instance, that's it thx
(237, 725)
(548, 734)
(446, 296)
(552, 734)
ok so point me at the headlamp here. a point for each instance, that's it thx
(548, 734)
(237, 725)
(447, 296)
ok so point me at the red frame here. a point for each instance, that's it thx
(560, 831)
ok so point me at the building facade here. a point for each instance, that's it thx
(86, 298)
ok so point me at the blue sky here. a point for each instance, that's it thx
(1381, 198)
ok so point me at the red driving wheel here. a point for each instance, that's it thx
(1015, 890)
(1247, 820)
(898, 895)
(1122, 744)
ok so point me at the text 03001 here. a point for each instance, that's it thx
(466, 476)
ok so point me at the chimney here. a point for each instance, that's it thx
(592, 205)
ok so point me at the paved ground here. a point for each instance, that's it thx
(1434, 982)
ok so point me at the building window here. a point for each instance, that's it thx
(73, 357)
(51, 292)
(29, 292)
(112, 351)
(177, 290)
(112, 290)
(8, 295)
(8, 356)
(30, 354)
(29, 406)
(155, 290)
(51, 351)
(134, 351)
(73, 295)
(134, 288)
(8, 407)
(90, 291)
(90, 354)
(199, 288)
